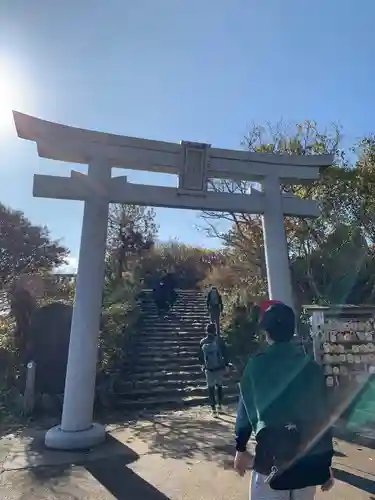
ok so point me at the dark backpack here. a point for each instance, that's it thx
(276, 450)
(213, 358)
(214, 298)
(289, 467)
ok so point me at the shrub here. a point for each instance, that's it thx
(119, 321)
(189, 264)
(10, 371)
(240, 326)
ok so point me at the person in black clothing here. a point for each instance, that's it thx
(160, 298)
(169, 283)
(284, 402)
(215, 307)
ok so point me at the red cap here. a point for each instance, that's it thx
(266, 304)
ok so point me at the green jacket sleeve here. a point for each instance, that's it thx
(247, 395)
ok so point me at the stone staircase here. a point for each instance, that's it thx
(164, 370)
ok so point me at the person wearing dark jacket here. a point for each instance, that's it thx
(169, 284)
(215, 307)
(160, 296)
(283, 401)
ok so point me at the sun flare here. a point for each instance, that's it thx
(12, 96)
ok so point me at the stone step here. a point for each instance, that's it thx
(189, 300)
(174, 380)
(156, 342)
(147, 374)
(181, 307)
(167, 339)
(180, 303)
(176, 365)
(180, 296)
(162, 392)
(162, 371)
(176, 325)
(176, 349)
(173, 402)
(175, 319)
(177, 305)
(153, 359)
(182, 291)
(172, 337)
(149, 327)
(137, 395)
(187, 326)
(182, 378)
(186, 302)
(181, 299)
(179, 316)
(176, 335)
(168, 332)
(123, 387)
(161, 363)
(164, 357)
(144, 340)
(185, 318)
(170, 381)
(169, 329)
(163, 340)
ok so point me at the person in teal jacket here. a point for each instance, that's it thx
(284, 403)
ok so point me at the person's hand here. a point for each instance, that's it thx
(242, 462)
(328, 485)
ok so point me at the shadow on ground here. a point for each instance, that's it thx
(359, 482)
(189, 438)
(122, 482)
(54, 474)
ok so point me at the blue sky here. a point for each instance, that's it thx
(175, 70)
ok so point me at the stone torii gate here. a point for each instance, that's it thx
(194, 164)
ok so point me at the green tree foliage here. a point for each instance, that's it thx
(319, 249)
(332, 258)
(132, 231)
(27, 252)
(25, 248)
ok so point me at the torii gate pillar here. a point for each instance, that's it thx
(275, 244)
(77, 430)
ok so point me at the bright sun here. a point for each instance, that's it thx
(12, 96)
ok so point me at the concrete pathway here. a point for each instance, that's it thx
(173, 456)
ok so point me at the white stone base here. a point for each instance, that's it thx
(58, 439)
